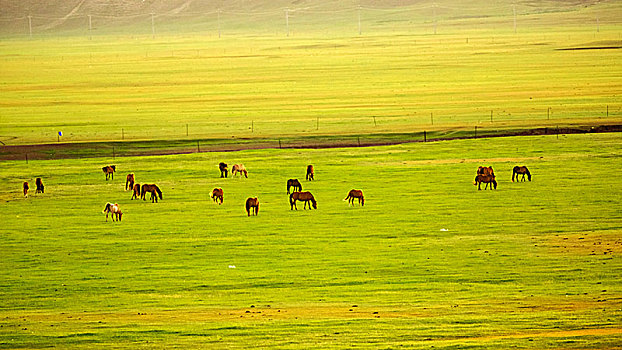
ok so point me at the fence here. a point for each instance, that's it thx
(428, 17)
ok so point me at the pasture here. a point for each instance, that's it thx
(429, 261)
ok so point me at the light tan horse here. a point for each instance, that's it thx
(109, 171)
(136, 191)
(40, 187)
(310, 173)
(303, 197)
(25, 187)
(252, 203)
(114, 210)
(239, 168)
(129, 182)
(487, 179)
(217, 194)
(353, 194)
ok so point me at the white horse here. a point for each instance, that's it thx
(239, 168)
(114, 210)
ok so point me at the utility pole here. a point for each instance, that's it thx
(90, 28)
(287, 20)
(218, 23)
(514, 11)
(434, 17)
(359, 19)
(152, 26)
(30, 26)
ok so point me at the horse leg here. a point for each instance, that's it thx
(479, 184)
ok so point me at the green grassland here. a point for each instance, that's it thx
(429, 261)
(391, 78)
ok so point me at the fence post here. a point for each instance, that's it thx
(26, 158)
(279, 143)
(425, 137)
(198, 147)
(475, 131)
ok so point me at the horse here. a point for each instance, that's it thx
(153, 189)
(355, 194)
(239, 168)
(114, 210)
(487, 179)
(295, 184)
(109, 171)
(26, 188)
(129, 182)
(223, 169)
(310, 173)
(252, 203)
(136, 191)
(40, 187)
(217, 194)
(521, 170)
(485, 170)
(303, 197)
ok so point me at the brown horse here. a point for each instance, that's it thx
(153, 189)
(485, 170)
(40, 187)
(487, 179)
(25, 188)
(355, 194)
(239, 168)
(136, 191)
(252, 203)
(303, 197)
(224, 171)
(109, 171)
(294, 184)
(129, 182)
(114, 210)
(310, 173)
(217, 194)
(521, 170)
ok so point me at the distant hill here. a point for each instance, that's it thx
(18, 17)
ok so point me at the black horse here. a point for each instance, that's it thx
(224, 171)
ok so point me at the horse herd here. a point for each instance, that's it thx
(485, 175)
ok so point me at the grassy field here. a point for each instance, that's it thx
(195, 87)
(429, 261)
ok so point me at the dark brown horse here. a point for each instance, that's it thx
(252, 203)
(224, 171)
(109, 171)
(303, 197)
(294, 184)
(25, 187)
(310, 173)
(217, 194)
(487, 179)
(521, 170)
(136, 191)
(40, 187)
(153, 189)
(353, 194)
(485, 170)
(129, 182)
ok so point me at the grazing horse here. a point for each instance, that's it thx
(40, 187)
(217, 194)
(129, 182)
(109, 171)
(485, 170)
(487, 179)
(252, 203)
(295, 184)
(310, 173)
(355, 194)
(26, 188)
(239, 168)
(114, 210)
(521, 170)
(303, 197)
(136, 191)
(223, 169)
(153, 189)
